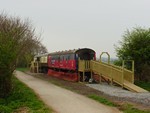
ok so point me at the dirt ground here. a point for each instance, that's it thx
(81, 88)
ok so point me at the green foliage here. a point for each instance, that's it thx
(101, 100)
(136, 46)
(145, 85)
(22, 97)
(18, 44)
(117, 62)
(5, 109)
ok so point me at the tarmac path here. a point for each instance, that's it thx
(62, 100)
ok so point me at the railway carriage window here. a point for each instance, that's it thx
(61, 58)
(65, 57)
(58, 58)
(55, 57)
(68, 57)
(72, 56)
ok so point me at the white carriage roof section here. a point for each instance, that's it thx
(41, 55)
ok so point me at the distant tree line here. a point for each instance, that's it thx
(18, 45)
(135, 45)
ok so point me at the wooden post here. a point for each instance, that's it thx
(122, 73)
(111, 81)
(133, 71)
(37, 67)
(111, 76)
(100, 78)
(83, 75)
(78, 76)
(91, 74)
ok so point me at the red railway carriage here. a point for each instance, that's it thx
(68, 60)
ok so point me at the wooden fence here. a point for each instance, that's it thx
(112, 72)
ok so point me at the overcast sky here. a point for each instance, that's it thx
(69, 24)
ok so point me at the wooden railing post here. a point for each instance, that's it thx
(132, 71)
(122, 73)
(111, 76)
(83, 76)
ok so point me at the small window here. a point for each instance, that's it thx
(61, 58)
(65, 57)
(68, 57)
(72, 56)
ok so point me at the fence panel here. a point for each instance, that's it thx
(129, 75)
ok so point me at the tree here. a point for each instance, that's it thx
(37, 48)
(136, 46)
(17, 37)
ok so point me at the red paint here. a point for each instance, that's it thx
(62, 64)
(62, 75)
(67, 64)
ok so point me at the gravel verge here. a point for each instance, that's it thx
(122, 94)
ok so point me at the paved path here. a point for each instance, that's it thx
(62, 100)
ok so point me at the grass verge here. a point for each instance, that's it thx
(22, 100)
(128, 108)
(102, 100)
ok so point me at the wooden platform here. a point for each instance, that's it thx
(118, 75)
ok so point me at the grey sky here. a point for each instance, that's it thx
(69, 24)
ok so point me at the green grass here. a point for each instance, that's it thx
(22, 98)
(127, 108)
(145, 85)
(22, 69)
(101, 100)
